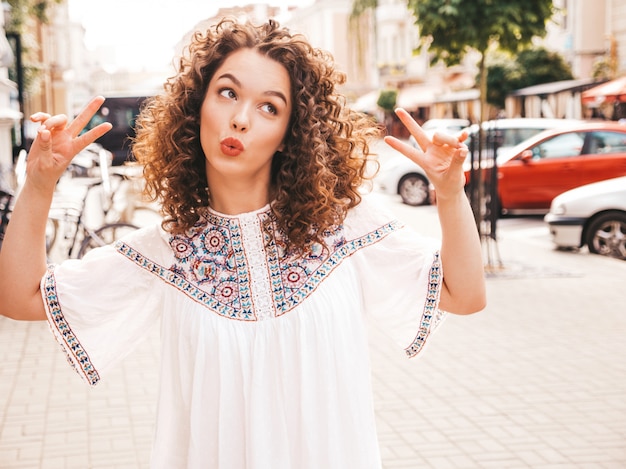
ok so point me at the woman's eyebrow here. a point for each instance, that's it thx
(233, 78)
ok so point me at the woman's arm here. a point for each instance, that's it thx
(442, 159)
(23, 254)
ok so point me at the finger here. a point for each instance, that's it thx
(39, 117)
(414, 128)
(446, 139)
(92, 135)
(460, 155)
(84, 116)
(57, 122)
(407, 150)
(43, 139)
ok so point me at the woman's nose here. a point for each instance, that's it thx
(240, 121)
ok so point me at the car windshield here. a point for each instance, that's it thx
(512, 137)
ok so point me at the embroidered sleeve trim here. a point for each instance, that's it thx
(431, 315)
(74, 351)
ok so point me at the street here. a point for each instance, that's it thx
(537, 380)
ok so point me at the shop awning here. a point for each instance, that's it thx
(413, 97)
(457, 96)
(367, 102)
(609, 92)
(555, 87)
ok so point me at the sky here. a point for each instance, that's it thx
(144, 32)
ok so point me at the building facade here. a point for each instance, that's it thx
(382, 49)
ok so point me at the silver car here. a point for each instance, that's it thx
(593, 215)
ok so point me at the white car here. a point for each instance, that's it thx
(593, 215)
(399, 175)
(451, 126)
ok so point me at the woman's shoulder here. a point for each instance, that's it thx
(372, 213)
(151, 241)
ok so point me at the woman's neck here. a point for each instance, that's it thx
(236, 203)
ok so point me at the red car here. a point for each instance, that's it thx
(534, 172)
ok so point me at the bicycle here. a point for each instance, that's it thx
(118, 202)
(8, 196)
(70, 212)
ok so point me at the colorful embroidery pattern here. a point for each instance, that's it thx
(431, 314)
(76, 355)
(212, 267)
(211, 262)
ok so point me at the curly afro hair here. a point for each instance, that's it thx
(315, 179)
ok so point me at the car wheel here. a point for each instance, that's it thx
(606, 235)
(413, 189)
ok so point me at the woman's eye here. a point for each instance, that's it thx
(228, 93)
(267, 107)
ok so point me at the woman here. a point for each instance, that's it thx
(267, 262)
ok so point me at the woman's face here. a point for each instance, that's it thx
(244, 119)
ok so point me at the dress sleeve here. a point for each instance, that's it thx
(401, 279)
(99, 308)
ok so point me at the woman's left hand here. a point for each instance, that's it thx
(441, 158)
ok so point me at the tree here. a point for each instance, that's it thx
(502, 77)
(539, 65)
(387, 100)
(23, 9)
(26, 68)
(21, 12)
(452, 28)
(532, 66)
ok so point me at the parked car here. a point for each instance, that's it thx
(593, 215)
(414, 186)
(513, 131)
(401, 176)
(452, 125)
(554, 161)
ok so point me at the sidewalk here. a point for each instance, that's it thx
(537, 380)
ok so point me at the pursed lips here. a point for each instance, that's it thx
(231, 146)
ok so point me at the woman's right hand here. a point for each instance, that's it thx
(23, 256)
(57, 142)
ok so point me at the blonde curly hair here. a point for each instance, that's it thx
(315, 178)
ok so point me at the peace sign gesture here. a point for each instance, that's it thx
(441, 158)
(57, 142)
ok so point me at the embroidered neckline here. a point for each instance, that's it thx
(243, 269)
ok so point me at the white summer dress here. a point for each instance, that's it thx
(264, 354)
